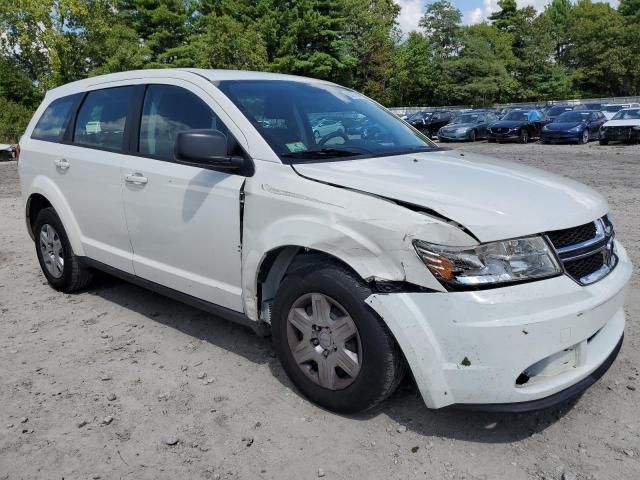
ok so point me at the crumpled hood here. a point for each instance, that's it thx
(508, 124)
(494, 199)
(630, 122)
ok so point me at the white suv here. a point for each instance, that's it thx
(368, 252)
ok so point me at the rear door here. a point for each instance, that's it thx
(184, 221)
(85, 166)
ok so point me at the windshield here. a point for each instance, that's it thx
(627, 115)
(558, 110)
(467, 118)
(612, 108)
(311, 121)
(573, 117)
(517, 115)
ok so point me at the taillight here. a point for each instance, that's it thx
(17, 152)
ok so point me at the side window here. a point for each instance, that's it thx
(102, 118)
(54, 120)
(167, 110)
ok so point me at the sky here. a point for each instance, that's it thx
(473, 11)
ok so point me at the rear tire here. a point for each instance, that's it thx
(309, 342)
(524, 136)
(62, 269)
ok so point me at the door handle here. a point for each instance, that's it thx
(136, 178)
(61, 163)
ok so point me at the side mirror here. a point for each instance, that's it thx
(206, 149)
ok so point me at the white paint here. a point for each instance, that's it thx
(182, 229)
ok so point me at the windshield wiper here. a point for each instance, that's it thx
(327, 153)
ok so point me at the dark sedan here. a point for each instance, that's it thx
(577, 126)
(467, 126)
(430, 122)
(517, 126)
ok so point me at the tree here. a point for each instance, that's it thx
(370, 43)
(630, 9)
(160, 24)
(560, 16)
(441, 25)
(598, 55)
(479, 74)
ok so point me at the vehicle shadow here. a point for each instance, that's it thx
(405, 406)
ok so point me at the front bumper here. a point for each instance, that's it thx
(620, 134)
(510, 136)
(560, 136)
(473, 348)
(453, 136)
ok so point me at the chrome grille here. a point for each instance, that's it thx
(587, 251)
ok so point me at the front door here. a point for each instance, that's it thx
(184, 221)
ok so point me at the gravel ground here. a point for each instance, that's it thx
(118, 382)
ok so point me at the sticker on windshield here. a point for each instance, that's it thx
(296, 147)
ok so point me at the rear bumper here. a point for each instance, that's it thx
(477, 347)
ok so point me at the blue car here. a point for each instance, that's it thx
(576, 126)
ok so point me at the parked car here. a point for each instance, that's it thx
(593, 106)
(326, 127)
(497, 285)
(574, 126)
(517, 126)
(467, 126)
(610, 109)
(430, 122)
(556, 110)
(7, 152)
(623, 127)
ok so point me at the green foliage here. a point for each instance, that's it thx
(441, 24)
(14, 118)
(569, 49)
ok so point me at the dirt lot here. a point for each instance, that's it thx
(98, 384)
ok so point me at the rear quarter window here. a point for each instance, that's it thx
(53, 122)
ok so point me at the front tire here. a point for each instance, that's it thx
(472, 136)
(335, 349)
(584, 138)
(60, 266)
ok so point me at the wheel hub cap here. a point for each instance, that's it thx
(324, 341)
(51, 250)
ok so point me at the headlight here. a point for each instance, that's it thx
(576, 129)
(462, 130)
(545, 128)
(489, 264)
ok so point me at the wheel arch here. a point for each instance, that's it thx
(279, 261)
(43, 194)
